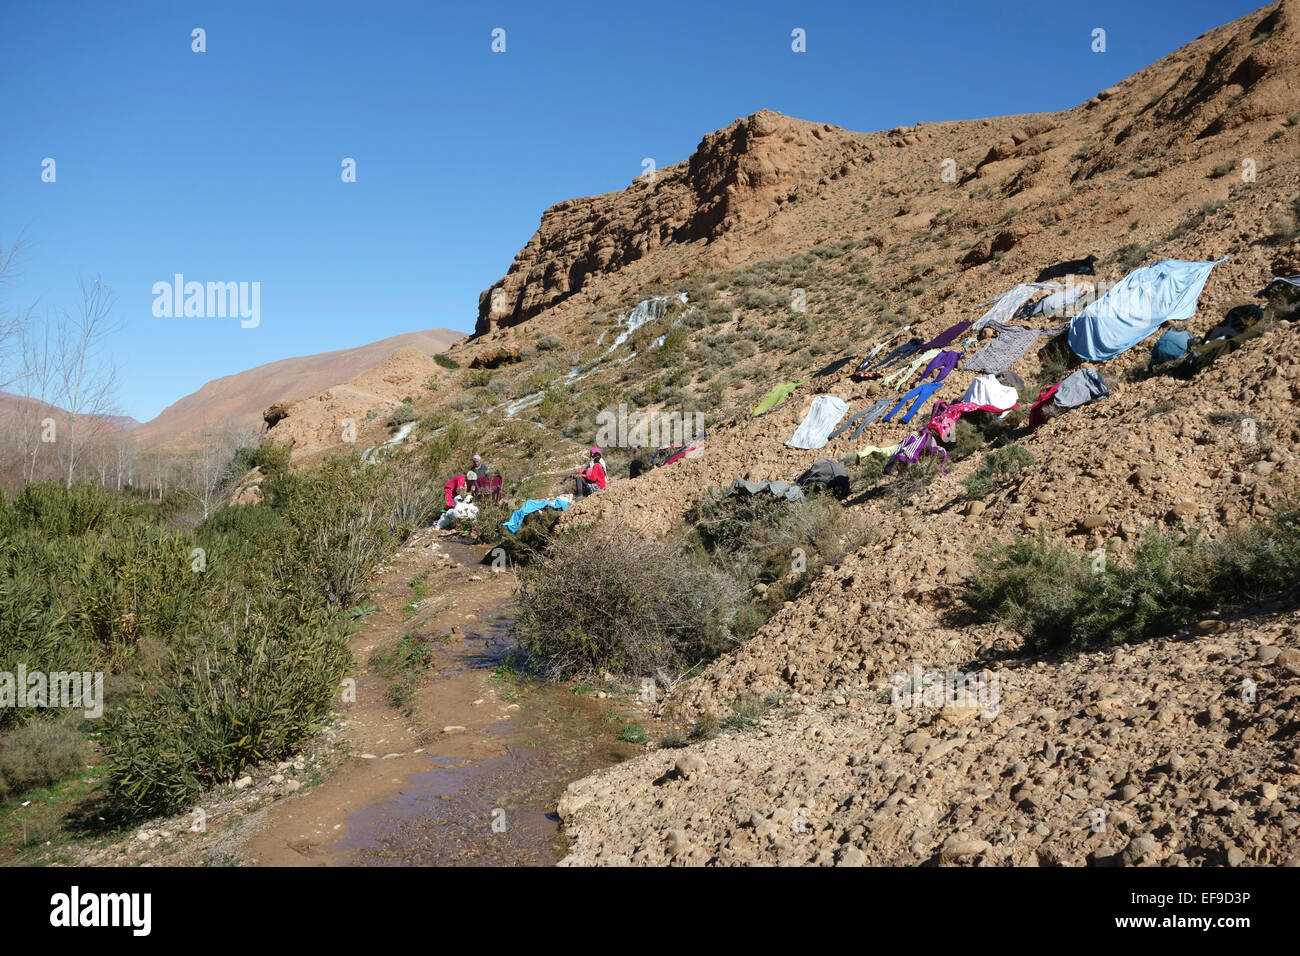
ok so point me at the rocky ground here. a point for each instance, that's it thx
(1175, 751)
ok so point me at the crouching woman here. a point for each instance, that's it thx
(592, 478)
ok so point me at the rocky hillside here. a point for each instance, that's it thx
(1143, 754)
(738, 176)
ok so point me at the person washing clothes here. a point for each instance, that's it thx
(479, 470)
(591, 478)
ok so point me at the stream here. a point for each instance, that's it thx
(493, 810)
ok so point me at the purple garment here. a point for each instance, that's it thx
(943, 363)
(946, 338)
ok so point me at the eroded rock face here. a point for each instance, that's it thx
(737, 175)
(275, 414)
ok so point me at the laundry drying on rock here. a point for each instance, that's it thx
(1079, 388)
(868, 371)
(865, 417)
(1004, 351)
(776, 396)
(826, 474)
(988, 390)
(905, 373)
(1006, 305)
(1137, 305)
(918, 397)
(941, 365)
(1170, 346)
(516, 520)
(1075, 267)
(917, 446)
(777, 489)
(948, 336)
(1057, 304)
(815, 430)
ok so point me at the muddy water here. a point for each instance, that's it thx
(493, 810)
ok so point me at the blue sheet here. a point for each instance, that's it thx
(1134, 307)
(531, 505)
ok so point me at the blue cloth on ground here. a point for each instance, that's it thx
(1173, 344)
(531, 505)
(1136, 306)
(921, 393)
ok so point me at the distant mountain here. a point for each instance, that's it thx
(11, 403)
(243, 397)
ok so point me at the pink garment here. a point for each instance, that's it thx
(945, 417)
(681, 454)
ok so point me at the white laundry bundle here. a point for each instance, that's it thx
(463, 510)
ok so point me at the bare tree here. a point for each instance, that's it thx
(210, 466)
(11, 324)
(125, 459)
(85, 384)
(35, 378)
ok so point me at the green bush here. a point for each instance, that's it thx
(756, 298)
(757, 540)
(273, 459)
(446, 361)
(998, 465)
(403, 413)
(222, 645)
(603, 601)
(342, 522)
(40, 753)
(1056, 597)
(250, 691)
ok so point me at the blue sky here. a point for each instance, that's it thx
(225, 165)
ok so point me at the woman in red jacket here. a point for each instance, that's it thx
(591, 478)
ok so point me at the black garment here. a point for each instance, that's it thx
(903, 351)
(1282, 296)
(1200, 357)
(1075, 267)
(1237, 320)
(636, 467)
(827, 473)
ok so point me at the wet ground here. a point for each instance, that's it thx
(470, 774)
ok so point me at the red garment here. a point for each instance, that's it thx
(595, 473)
(450, 488)
(1045, 396)
(681, 454)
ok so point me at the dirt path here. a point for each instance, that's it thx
(467, 765)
